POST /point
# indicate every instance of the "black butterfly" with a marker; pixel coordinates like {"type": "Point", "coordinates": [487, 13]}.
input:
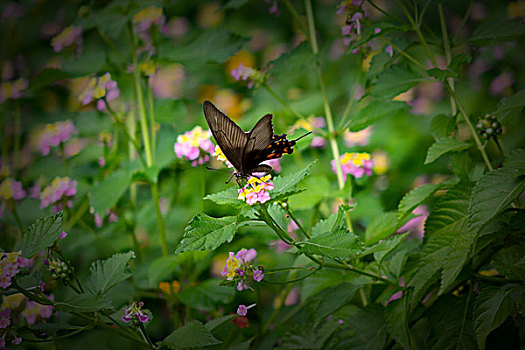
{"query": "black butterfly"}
{"type": "Point", "coordinates": [247, 150]}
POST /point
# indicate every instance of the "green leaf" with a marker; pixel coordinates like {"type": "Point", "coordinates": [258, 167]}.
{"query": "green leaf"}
{"type": "Point", "coordinates": [191, 335]}
{"type": "Point", "coordinates": [330, 224]}
{"type": "Point", "coordinates": [382, 249]}
{"type": "Point", "coordinates": [92, 60]}
{"type": "Point", "coordinates": [492, 194]}
{"type": "Point", "coordinates": [105, 274]}
{"type": "Point", "coordinates": [47, 77]}
{"type": "Point", "coordinates": [229, 196]}
{"type": "Point", "coordinates": [516, 161]}
{"type": "Point", "coordinates": [288, 183]}
{"type": "Point", "coordinates": [297, 60]}
{"type": "Point", "coordinates": [492, 31]}
{"type": "Point", "coordinates": [108, 21]}
{"type": "Point", "coordinates": [162, 268]}
{"type": "Point", "coordinates": [442, 126]}
{"type": "Point", "coordinates": [340, 244]}
{"type": "Point", "coordinates": [106, 193]}
{"type": "Point", "coordinates": [213, 45]}
{"type": "Point", "coordinates": [510, 262]}
{"type": "Point", "coordinates": [315, 337]}
{"type": "Point", "coordinates": [205, 232]}
{"type": "Point", "coordinates": [375, 111]}
{"type": "Point", "coordinates": [444, 145]}
{"type": "Point", "coordinates": [318, 188]}
{"type": "Point", "coordinates": [491, 308]}
{"type": "Point", "coordinates": [381, 227]}
{"type": "Point", "coordinates": [458, 61]}
{"type": "Point", "coordinates": [40, 235]}
{"type": "Point", "coordinates": [206, 295]}
{"type": "Point", "coordinates": [514, 103]}
{"type": "Point", "coordinates": [329, 300]}
{"type": "Point", "coordinates": [456, 258]}
{"type": "Point", "coordinates": [414, 198]}
{"type": "Point", "coordinates": [396, 320]}
{"type": "Point", "coordinates": [366, 329]}
{"type": "Point", "coordinates": [216, 323]}
{"type": "Point", "coordinates": [442, 74]}
{"type": "Point", "coordinates": [450, 212]}
{"type": "Point", "coordinates": [393, 81]}
{"type": "Point", "coordinates": [84, 303]}
{"type": "Point", "coordinates": [451, 324]}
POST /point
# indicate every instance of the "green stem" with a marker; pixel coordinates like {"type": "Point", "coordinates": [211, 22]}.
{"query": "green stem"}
{"type": "Point", "coordinates": [313, 218]}
{"type": "Point", "coordinates": [140, 101]}
{"type": "Point", "coordinates": [17, 219]}
{"type": "Point", "coordinates": [292, 216]}
{"type": "Point", "coordinates": [77, 215]}
{"type": "Point", "coordinates": [405, 54]}
{"type": "Point", "coordinates": [160, 222]}
{"type": "Point", "coordinates": [296, 17]}
{"type": "Point", "coordinates": [283, 235]}
{"type": "Point", "coordinates": [385, 13]}
{"type": "Point", "coordinates": [358, 271]}
{"type": "Point", "coordinates": [332, 133]}
{"type": "Point", "coordinates": [292, 280]}
{"type": "Point", "coordinates": [291, 268]}
{"type": "Point", "coordinates": [63, 153]}
{"type": "Point", "coordinates": [470, 126]}
{"type": "Point", "coordinates": [17, 136]}
{"type": "Point", "coordinates": [498, 144]}
{"type": "Point", "coordinates": [151, 108]}
{"type": "Point", "coordinates": [446, 47]}
{"type": "Point", "coordinates": [351, 99]}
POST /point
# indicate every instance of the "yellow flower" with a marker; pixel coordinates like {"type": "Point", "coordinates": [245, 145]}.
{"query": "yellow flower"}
{"type": "Point", "coordinates": [381, 162]}
{"type": "Point", "coordinates": [6, 191]}
{"type": "Point", "coordinates": [149, 14]}
{"type": "Point", "coordinates": [516, 9]}
{"type": "Point", "coordinates": [169, 288]}
{"type": "Point", "coordinates": [12, 257]}
{"type": "Point", "coordinates": [219, 154]}
{"type": "Point", "coordinates": [12, 301]}
{"type": "Point", "coordinates": [356, 159]}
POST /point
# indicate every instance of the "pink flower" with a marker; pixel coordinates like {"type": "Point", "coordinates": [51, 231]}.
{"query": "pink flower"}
{"type": "Point", "coordinates": [62, 235]}
{"type": "Point", "coordinates": [256, 190]}
{"type": "Point", "coordinates": [355, 164]}
{"type": "Point", "coordinates": [58, 193]}
{"type": "Point", "coordinates": [361, 137]}
{"type": "Point", "coordinates": [194, 145]}
{"type": "Point", "coordinates": [501, 82]}
{"type": "Point", "coordinates": [258, 275]}
{"type": "Point", "coordinates": [12, 10]}
{"type": "Point", "coordinates": [5, 318]}
{"type": "Point", "coordinates": [13, 89]}
{"type": "Point", "coordinates": [69, 36]}
{"type": "Point", "coordinates": [54, 134]}
{"type": "Point", "coordinates": [416, 226]}
{"type": "Point", "coordinates": [135, 312]}
{"type": "Point", "coordinates": [241, 286]}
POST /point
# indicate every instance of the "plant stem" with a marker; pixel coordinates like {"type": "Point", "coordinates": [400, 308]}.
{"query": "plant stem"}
{"type": "Point", "coordinates": [332, 133]}
{"type": "Point", "coordinates": [151, 108]}
{"type": "Point", "coordinates": [292, 216]}
{"type": "Point", "coordinates": [446, 47]}
{"type": "Point", "coordinates": [405, 54]}
{"type": "Point", "coordinates": [283, 235]}
{"type": "Point", "coordinates": [160, 222]}
{"type": "Point", "coordinates": [385, 13]}
{"type": "Point", "coordinates": [77, 215]}
{"type": "Point", "coordinates": [17, 134]}
{"type": "Point", "coordinates": [296, 17]}
{"type": "Point", "coordinates": [358, 271]}
{"type": "Point", "coordinates": [351, 99]}
{"type": "Point", "coordinates": [498, 144]}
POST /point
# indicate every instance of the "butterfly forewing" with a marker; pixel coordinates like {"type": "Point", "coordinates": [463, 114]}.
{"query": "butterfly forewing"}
{"type": "Point", "coordinates": [228, 135]}
{"type": "Point", "coordinates": [259, 139]}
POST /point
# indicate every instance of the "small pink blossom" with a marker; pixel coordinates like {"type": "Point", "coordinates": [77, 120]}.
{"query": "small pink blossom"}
{"type": "Point", "coordinates": [69, 36]}
{"type": "Point", "coordinates": [355, 164]}
{"type": "Point", "coordinates": [195, 145]}
{"type": "Point", "coordinates": [242, 310]}
{"type": "Point", "coordinates": [135, 312]}
{"type": "Point", "coordinates": [54, 134]}
{"type": "Point", "coordinates": [258, 275]}
{"type": "Point", "coordinates": [58, 193]}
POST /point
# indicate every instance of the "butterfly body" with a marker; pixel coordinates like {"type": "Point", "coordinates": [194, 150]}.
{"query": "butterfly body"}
{"type": "Point", "coordinates": [247, 150]}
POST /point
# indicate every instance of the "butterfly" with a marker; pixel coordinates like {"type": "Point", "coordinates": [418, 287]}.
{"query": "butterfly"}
{"type": "Point", "coordinates": [247, 150]}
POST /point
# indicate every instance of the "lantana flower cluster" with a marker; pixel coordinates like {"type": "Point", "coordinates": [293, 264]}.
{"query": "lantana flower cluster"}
{"type": "Point", "coordinates": [10, 190]}
{"type": "Point", "coordinates": [256, 190]}
{"type": "Point", "coordinates": [244, 73]}
{"type": "Point", "coordinates": [10, 266]}
{"type": "Point", "coordinates": [239, 268]}
{"type": "Point", "coordinates": [98, 88]}
{"type": "Point", "coordinates": [143, 21]}
{"type": "Point", "coordinates": [135, 314]}
{"type": "Point", "coordinates": [351, 31]}
{"type": "Point", "coordinates": [99, 220]}
{"type": "Point", "coordinates": [55, 134]}
{"type": "Point", "coordinates": [355, 164]}
{"type": "Point", "coordinates": [61, 191]}
{"type": "Point", "coordinates": [222, 157]}
{"type": "Point", "coordinates": [71, 35]}
{"type": "Point", "coordinates": [358, 138]}
{"type": "Point", "coordinates": [13, 89]}
{"type": "Point", "coordinates": [195, 145]}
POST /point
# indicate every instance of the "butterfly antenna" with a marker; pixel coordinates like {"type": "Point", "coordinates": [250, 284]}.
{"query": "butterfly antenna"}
{"type": "Point", "coordinates": [308, 133]}
{"type": "Point", "coordinates": [222, 170]}
{"type": "Point", "coordinates": [227, 182]}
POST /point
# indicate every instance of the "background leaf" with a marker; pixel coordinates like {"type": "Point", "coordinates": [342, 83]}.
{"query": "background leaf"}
{"type": "Point", "coordinates": [40, 235]}
{"type": "Point", "coordinates": [339, 244]}
{"type": "Point", "coordinates": [444, 145]}
{"type": "Point", "coordinates": [205, 232]}
{"type": "Point", "coordinates": [106, 194]}
{"type": "Point", "coordinates": [380, 227]}
{"type": "Point", "coordinates": [105, 274]}
{"type": "Point", "coordinates": [193, 334]}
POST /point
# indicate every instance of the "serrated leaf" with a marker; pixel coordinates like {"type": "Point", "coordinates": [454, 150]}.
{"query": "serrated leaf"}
{"type": "Point", "coordinates": [397, 324]}
{"type": "Point", "coordinates": [213, 45]}
{"type": "Point", "coordinates": [491, 308]}
{"type": "Point", "coordinates": [340, 244]}
{"type": "Point", "coordinates": [516, 161]}
{"type": "Point", "coordinates": [375, 111]}
{"type": "Point", "coordinates": [366, 329]}
{"type": "Point", "coordinates": [205, 232]}
{"type": "Point", "coordinates": [40, 235]}
{"type": "Point", "coordinates": [444, 145]}
{"type": "Point", "coordinates": [510, 262]}
{"type": "Point", "coordinates": [442, 74]}
{"type": "Point", "coordinates": [311, 338]}
{"type": "Point", "coordinates": [193, 334]}
{"type": "Point", "coordinates": [380, 227]}
{"type": "Point", "coordinates": [450, 212]}
{"type": "Point", "coordinates": [330, 223]}
{"type": "Point", "coordinates": [510, 104]}
{"type": "Point", "coordinates": [229, 196]}
{"type": "Point", "coordinates": [47, 77]}
{"type": "Point", "coordinates": [105, 274]}
{"type": "Point", "coordinates": [456, 258]}
{"type": "Point", "coordinates": [84, 303]}
{"type": "Point", "coordinates": [393, 81]}
{"type": "Point", "coordinates": [384, 247]}
{"type": "Point", "coordinates": [493, 193]}
{"type": "Point", "coordinates": [288, 63]}
{"type": "Point", "coordinates": [106, 193]}
{"type": "Point", "coordinates": [206, 295]}
{"type": "Point", "coordinates": [414, 198]}
{"type": "Point", "coordinates": [288, 183]}
{"type": "Point", "coordinates": [442, 126]}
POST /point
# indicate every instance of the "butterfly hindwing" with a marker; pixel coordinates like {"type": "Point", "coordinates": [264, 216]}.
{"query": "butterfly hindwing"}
{"type": "Point", "coordinates": [259, 139]}
{"type": "Point", "coordinates": [228, 135]}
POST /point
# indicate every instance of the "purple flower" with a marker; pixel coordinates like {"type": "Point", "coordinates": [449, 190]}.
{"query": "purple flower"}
{"type": "Point", "coordinates": [62, 235]}
{"type": "Point", "coordinates": [195, 146]}
{"type": "Point", "coordinates": [355, 164]}
{"type": "Point", "coordinates": [258, 275]}
{"type": "Point", "coordinates": [69, 36]}
{"type": "Point", "coordinates": [5, 318]}
{"type": "Point", "coordinates": [134, 312]}
{"type": "Point", "coordinates": [241, 286]}
{"type": "Point", "coordinates": [54, 134]}
{"type": "Point", "coordinates": [500, 83]}
{"type": "Point", "coordinates": [58, 193]}
{"type": "Point", "coordinates": [242, 310]}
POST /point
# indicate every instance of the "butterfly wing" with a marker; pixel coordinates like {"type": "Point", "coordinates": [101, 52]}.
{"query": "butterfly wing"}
{"type": "Point", "coordinates": [259, 139]}
{"type": "Point", "coordinates": [228, 135]}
